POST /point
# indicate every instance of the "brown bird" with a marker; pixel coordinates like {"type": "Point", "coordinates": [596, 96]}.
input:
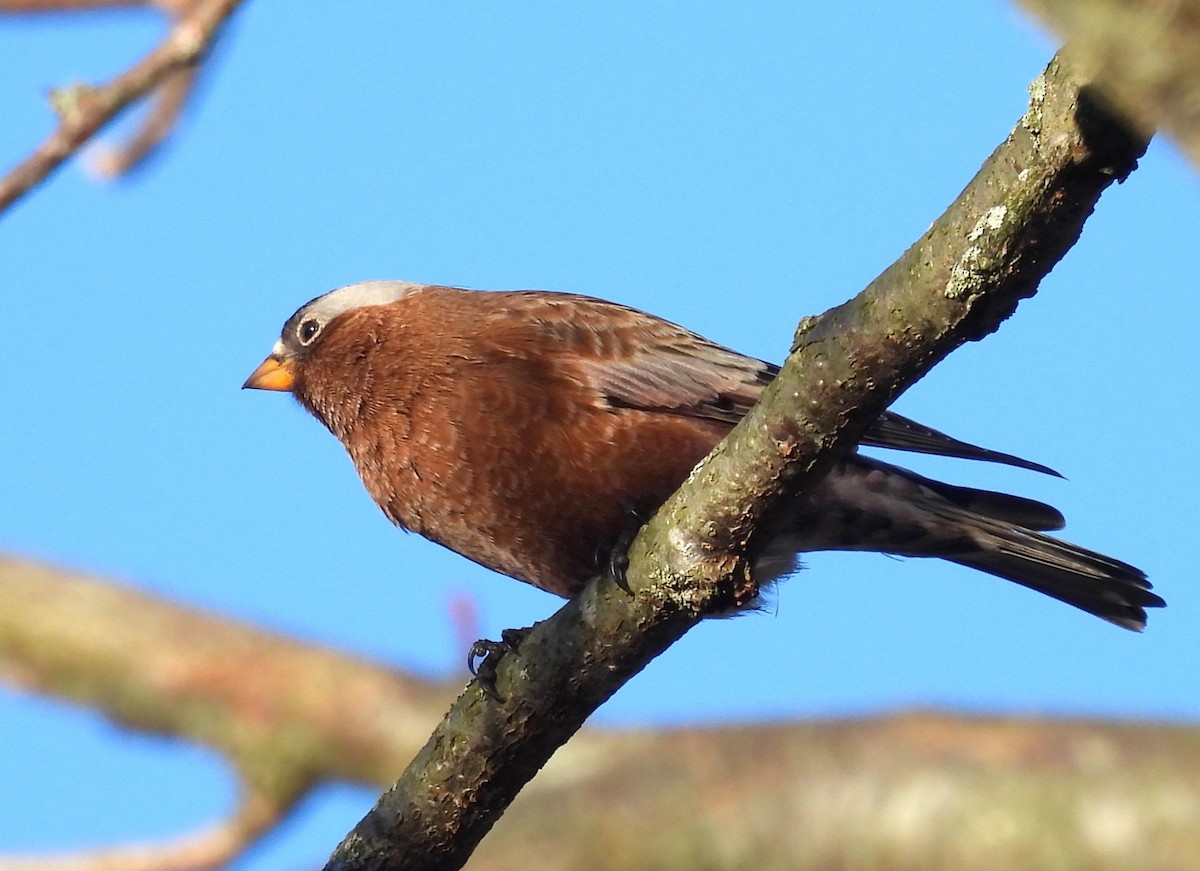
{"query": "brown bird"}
{"type": "Point", "coordinates": [523, 429]}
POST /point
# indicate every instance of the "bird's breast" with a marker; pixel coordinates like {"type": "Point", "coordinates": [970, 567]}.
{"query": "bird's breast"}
{"type": "Point", "coordinates": [534, 485]}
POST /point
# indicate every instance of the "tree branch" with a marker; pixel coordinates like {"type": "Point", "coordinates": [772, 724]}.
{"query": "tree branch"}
{"type": "Point", "coordinates": [286, 715]}
{"type": "Point", "coordinates": [158, 667]}
{"type": "Point", "coordinates": [83, 110]}
{"type": "Point", "coordinates": [800, 795]}
{"type": "Point", "coordinates": [1019, 215]}
{"type": "Point", "coordinates": [1146, 54]}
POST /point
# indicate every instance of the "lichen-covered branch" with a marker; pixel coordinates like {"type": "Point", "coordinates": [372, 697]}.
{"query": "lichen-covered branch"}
{"type": "Point", "coordinates": [987, 252]}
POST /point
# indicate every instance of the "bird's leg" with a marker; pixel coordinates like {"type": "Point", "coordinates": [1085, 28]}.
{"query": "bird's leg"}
{"type": "Point", "coordinates": [491, 652]}
{"type": "Point", "coordinates": [618, 553]}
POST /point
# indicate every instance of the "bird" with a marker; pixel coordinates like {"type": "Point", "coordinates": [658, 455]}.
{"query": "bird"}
{"type": "Point", "coordinates": [523, 430]}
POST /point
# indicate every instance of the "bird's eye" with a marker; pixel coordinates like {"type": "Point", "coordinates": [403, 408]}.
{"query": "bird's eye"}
{"type": "Point", "coordinates": [308, 330]}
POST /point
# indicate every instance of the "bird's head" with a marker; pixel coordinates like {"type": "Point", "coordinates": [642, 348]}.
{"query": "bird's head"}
{"type": "Point", "coordinates": [305, 339]}
{"type": "Point", "coordinates": [324, 354]}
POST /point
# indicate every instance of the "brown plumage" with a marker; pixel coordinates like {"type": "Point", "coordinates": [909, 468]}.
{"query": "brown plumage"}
{"type": "Point", "coordinates": [524, 429]}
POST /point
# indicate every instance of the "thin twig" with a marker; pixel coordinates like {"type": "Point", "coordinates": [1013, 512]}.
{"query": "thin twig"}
{"type": "Point", "coordinates": [170, 98]}
{"type": "Point", "coordinates": [83, 110]}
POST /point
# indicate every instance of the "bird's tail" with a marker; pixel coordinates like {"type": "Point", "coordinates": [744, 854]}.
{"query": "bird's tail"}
{"type": "Point", "coordinates": [1100, 585]}
{"type": "Point", "coordinates": [864, 504]}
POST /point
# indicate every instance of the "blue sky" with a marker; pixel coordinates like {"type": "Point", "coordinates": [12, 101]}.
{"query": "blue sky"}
{"type": "Point", "coordinates": [731, 168]}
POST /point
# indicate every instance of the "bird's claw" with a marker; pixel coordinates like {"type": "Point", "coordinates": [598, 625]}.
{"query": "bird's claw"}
{"type": "Point", "coordinates": [618, 565]}
{"type": "Point", "coordinates": [618, 555]}
{"type": "Point", "coordinates": [484, 657]}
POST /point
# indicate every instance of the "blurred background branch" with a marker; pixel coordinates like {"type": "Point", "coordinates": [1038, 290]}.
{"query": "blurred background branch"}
{"type": "Point", "coordinates": [1146, 54]}
{"type": "Point", "coordinates": [912, 789]}
{"type": "Point", "coordinates": [166, 76]}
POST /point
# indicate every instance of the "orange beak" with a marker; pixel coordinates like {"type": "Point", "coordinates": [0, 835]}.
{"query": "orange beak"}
{"type": "Point", "coordinates": [273, 374]}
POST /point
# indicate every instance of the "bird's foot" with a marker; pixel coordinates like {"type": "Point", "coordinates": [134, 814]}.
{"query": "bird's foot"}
{"type": "Point", "coordinates": [618, 554]}
{"type": "Point", "coordinates": [484, 658]}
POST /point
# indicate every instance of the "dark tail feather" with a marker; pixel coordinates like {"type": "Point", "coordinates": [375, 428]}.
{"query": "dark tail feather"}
{"type": "Point", "coordinates": [899, 433]}
{"type": "Point", "coordinates": [1110, 589]}
{"type": "Point", "coordinates": [1017, 510]}
{"type": "Point", "coordinates": [864, 504]}
{"type": "Point", "coordinates": [1007, 530]}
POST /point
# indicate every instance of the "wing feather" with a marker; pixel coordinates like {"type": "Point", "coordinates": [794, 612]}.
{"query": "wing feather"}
{"type": "Point", "coordinates": [631, 359]}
